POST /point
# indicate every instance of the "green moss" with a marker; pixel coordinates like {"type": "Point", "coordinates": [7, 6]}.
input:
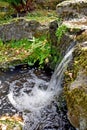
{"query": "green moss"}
{"type": "Point", "coordinates": [76, 96]}
{"type": "Point", "coordinates": [79, 63]}
{"type": "Point", "coordinates": [42, 16]}
{"type": "Point", "coordinates": [80, 60]}
{"type": "Point", "coordinates": [77, 102]}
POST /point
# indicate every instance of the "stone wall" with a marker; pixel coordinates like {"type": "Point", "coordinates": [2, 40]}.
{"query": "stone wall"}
{"type": "Point", "coordinates": [21, 28]}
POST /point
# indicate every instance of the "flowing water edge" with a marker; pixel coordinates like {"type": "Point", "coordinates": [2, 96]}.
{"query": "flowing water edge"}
{"type": "Point", "coordinates": [31, 93]}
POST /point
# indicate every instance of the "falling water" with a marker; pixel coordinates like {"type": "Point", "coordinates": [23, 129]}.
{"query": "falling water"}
{"type": "Point", "coordinates": [56, 80]}
{"type": "Point", "coordinates": [38, 98]}
{"type": "Point", "coordinates": [34, 95]}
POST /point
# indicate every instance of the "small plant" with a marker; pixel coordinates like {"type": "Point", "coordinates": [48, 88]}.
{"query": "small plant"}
{"type": "Point", "coordinates": [30, 51]}
{"type": "Point", "coordinates": [1, 43]}
{"type": "Point", "coordinates": [61, 30]}
{"type": "Point", "coordinates": [21, 5]}
{"type": "Point", "coordinates": [26, 50]}
{"type": "Point", "coordinates": [55, 57]}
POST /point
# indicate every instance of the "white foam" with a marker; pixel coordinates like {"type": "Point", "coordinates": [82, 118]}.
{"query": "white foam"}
{"type": "Point", "coordinates": [36, 100]}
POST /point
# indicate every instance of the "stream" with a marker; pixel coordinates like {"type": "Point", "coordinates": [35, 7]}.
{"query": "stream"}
{"type": "Point", "coordinates": [30, 93]}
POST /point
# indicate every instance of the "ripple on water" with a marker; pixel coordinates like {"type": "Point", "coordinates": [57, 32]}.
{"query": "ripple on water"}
{"type": "Point", "coordinates": [26, 92]}
{"type": "Point", "coordinates": [23, 88]}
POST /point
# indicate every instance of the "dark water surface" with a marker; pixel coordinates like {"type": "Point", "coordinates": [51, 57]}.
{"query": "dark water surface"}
{"type": "Point", "coordinates": [41, 112]}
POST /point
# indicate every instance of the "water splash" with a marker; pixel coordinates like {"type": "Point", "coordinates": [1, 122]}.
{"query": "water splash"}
{"type": "Point", "coordinates": [39, 96]}
{"type": "Point", "coordinates": [34, 101]}
{"type": "Point", "coordinates": [31, 95]}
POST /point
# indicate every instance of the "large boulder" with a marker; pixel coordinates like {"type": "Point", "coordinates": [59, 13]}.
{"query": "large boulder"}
{"type": "Point", "coordinates": [77, 24]}
{"type": "Point", "coordinates": [76, 88]}
{"type": "Point", "coordinates": [72, 9]}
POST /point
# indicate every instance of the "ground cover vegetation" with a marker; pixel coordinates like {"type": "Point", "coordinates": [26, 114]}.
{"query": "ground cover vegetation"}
{"type": "Point", "coordinates": [21, 5]}
{"type": "Point", "coordinates": [28, 50]}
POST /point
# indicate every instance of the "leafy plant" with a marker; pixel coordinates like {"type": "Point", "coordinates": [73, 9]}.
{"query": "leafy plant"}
{"type": "Point", "coordinates": [61, 30]}
{"type": "Point", "coordinates": [26, 50]}
{"type": "Point", "coordinates": [55, 57]}
{"type": "Point", "coordinates": [40, 51]}
{"type": "Point", "coordinates": [21, 5]}
{"type": "Point", "coordinates": [31, 51]}
{"type": "Point", "coordinates": [1, 43]}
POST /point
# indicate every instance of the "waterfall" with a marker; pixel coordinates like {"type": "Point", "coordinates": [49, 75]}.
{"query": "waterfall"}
{"type": "Point", "coordinates": [38, 98]}
{"type": "Point", "coordinates": [56, 80]}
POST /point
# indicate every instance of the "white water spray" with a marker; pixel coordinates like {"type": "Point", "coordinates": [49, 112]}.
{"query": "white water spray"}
{"type": "Point", "coordinates": [55, 83]}
{"type": "Point", "coordinates": [39, 98]}
{"type": "Point", "coordinates": [36, 99]}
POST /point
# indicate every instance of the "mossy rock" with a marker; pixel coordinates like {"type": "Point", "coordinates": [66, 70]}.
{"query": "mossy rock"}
{"type": "Point", "coordinates": [77, 107]}
{"type": "Point", "coordinates": [82, 37]}
{"type": "Point", "coordinates": [76, 88]}
{"type": "Point", "coordinates": [72, 9]}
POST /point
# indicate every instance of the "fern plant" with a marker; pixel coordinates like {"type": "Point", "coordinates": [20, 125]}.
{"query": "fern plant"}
{"type": "Point", "coordinates": [21, 5]}
{"type": "Point", "coordinates": [61, 30]}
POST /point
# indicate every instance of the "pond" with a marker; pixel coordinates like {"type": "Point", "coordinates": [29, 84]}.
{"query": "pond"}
{"type": "Point", "coordinates": [24, 91]}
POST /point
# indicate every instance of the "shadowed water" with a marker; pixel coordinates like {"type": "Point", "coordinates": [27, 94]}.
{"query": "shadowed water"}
{"type": "Point", "coordinates": [30, 92]}
{"type": "Point", "coordinates": [24, 89]}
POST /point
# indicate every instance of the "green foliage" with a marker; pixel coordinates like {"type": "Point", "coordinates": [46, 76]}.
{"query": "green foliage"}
{"type": "Point", "coordinates": [1, 43]}
{"type": "Point", "coordinates": [38, 49]}
{"type": "Point", "coordinates": [61, 30]}
{"type": "Point", "coordinates": [21, 5]}
{"type": "Point", "coordinates": [28, 51]}
{"type": "Point", "coordinates": [12, 1]}
{"type": "Point", "coordinates": [55, 57]}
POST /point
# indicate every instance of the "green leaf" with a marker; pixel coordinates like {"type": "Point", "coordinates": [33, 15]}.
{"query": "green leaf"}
{"type": "Point", "coordinates": [1, 43]}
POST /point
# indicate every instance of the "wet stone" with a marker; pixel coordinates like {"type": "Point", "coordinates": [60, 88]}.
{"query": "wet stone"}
{"type": "Point", "coordinates": [43, 87]}
{"type": "Point", "coordinates": [4, 88]}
